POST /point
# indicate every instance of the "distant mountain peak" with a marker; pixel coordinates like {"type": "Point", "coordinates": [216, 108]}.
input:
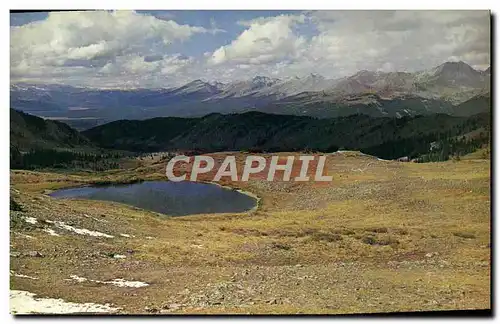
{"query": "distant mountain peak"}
{"type": "Point", "coordinates": [315, 76]}
{"type": "Point", "coordinates": [198, 86]}
{"type": "Point", "coordinates": [197, 82]}
{"type": "Point", "coordinates": [456, 74]}
{"type": "Point", "coordinates": [452, 82]}
{"type": "Point", "coordinates": [455, 66]}
{"type": "Point", "coordinates": [263, 79]}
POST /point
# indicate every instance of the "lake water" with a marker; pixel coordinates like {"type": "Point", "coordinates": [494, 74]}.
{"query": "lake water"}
{"type": "Point", "coordinates": [166, 197]}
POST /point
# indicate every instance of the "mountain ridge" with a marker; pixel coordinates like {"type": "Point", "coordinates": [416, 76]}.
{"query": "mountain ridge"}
{"type": "Point", "coordinates": [258, 131]}
{"type": "Point", "coordinates": [449, 83]}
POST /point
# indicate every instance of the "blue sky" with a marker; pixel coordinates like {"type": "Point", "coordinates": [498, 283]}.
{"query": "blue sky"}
{"type": "Point", "coordinates": [198, 44]}
{"type": "Point", "coordinates": [165, 48]}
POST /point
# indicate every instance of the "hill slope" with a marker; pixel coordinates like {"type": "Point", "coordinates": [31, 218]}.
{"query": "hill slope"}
{"type": "Point", "coordinates": [259, 131]}
{"type": "Point", "coordinates": [478, 104]}
{"type": "Point", "coordinates": [31, 132]}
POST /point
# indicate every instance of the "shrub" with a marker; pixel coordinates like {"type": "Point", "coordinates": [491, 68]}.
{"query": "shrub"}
{"type": "Point", "coordinates": [15, 206]}
{"type": "Point", "coordinates": [371, 240]}
{"type": "Point", "coordinates": [280, 246]}
{"type": "Point", "coordinates": [328, 237]}
{"type": "Point", "coordinates": [377, 229]}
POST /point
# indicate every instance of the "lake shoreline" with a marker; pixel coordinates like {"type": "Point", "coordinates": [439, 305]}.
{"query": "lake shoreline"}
{"type": "Point", "coordinates": [184, 200]}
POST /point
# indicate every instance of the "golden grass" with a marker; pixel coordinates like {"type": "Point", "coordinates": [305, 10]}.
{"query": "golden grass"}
{"type": "Point", "coordinates": [381, 218]}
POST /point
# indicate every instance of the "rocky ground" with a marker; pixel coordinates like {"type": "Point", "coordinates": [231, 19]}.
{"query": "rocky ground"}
{"type": "Point", "coordinates": [383, 236]}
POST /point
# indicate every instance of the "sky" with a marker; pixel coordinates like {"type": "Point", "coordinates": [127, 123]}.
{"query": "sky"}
{"type": "Point", "coordinates": [157, 49]}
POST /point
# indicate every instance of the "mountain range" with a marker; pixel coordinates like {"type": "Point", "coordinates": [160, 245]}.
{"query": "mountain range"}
{"type": "Point", "coordinates": [442, 89]}
{"type": "Point", "coordinates": [37, 141]}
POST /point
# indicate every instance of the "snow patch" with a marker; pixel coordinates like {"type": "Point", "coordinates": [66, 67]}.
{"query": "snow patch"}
{"type": "Point", "coordinates": [51, 231]}
{"type": "Point", "coordinates": [12, 273]}
{"type": "Point", "coordinates": [125, 283]}
{"type": "Point", "coordinates": [127, 235]}
{"type": "Point", "coordinates": [119, 256]}
{"type": "Point", "coordinates": [81, 231]}
{"type": "Point", "coordinates": [24, 302]}
{"type": "Point", "coordinates": [116, 282]}
{"type": "Point", "coordinates": [31, 220]}
{"type": "Point", "coordinates": [76, 278]}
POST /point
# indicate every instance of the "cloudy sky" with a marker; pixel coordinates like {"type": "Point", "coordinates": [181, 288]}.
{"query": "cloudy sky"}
{"type": "Point", "coordinates": [167, 48]}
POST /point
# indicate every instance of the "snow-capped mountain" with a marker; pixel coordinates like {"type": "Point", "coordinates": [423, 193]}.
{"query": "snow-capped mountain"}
{"type": "Point", "coordinates": [452, 74]}
{"type": "Point", "coordinates": [450, 83]}
{"type": "Point", "coordinates": [310, 83]}
{"type": "Point", "coordinates": [198, 86]}
{"type": "Point", "coordinates": [256, 86]}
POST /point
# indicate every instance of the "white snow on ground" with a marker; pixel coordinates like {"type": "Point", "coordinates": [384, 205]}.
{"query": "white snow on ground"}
{"type": "Point", "coordinates": [24, 302]}
{"type": "Point", "coordinates": [115, 282]}
{"type": "Point", "coordinates": [126, 235]}
{"type": "Point", "coordinates": [31, 220]}
{"type": "Point", "coordinates": [12, 273]}
{"type": "Point", "coordinates": [119, 256]}
{"type": "Point", "coordinates": [76, 278]}
{"type": "Point", "coordinates": [125, 283]}
{"type": "Point", "coordinates": [81, 231]}
{"type": "Point", "coordinates": [51, 231]}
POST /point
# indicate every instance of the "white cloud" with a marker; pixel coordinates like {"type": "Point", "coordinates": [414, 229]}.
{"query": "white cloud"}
{"type": "Point", "coordinates": [93, 39]}
{"type": "Point", "coordinates": [115, 48]}
{"type": "Point", "coordinates": [348, 41]}
{"type": "Point", "coordinates": [266, 40]}
{"type": "Point", "coordinates": [407, 40]}
{"type": "Point", "coordinates": [138, 65]}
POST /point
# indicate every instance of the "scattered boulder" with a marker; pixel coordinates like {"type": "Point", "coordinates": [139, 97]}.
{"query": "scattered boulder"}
{"type": "Point", "coordinates": [151, 309]}
{"type": "Point", "coordinates": [431, 254]}
{"type": "Point", "coordinates": [34, 254]}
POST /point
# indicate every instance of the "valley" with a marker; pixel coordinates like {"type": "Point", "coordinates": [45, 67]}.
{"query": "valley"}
{"type": "Point", "coordinates": [383, 236]}
{"type": "Point", "coordinates": [443, 89]}
{"type": "Point", "coordinates": [251, 162]}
